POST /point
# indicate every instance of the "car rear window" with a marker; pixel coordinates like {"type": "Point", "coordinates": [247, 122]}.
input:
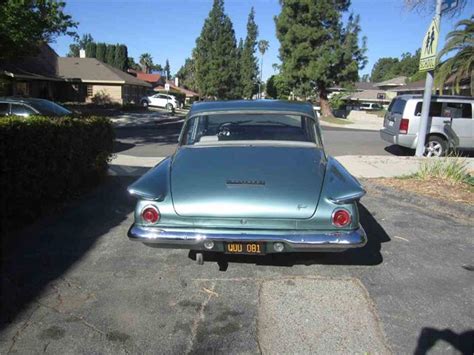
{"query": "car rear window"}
{"type": "Point", "coordinates": [46, 107]}
{"type": "Point", "coordinates": [436, 109]}
{"type": "Point", "coordinates": [210, 129]}
{"type": "Point", "coordinates": [21, 110]}
{"type": "Point", "coordinates": [397, 106]}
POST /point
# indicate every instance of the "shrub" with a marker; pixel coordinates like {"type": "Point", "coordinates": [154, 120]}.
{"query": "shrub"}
{"type": "Point", "coordinates": [101, 98]}
{"type": "Point", "coordinates": [452, 169]}
{"type": "Point", "coordinates": [45, 161]}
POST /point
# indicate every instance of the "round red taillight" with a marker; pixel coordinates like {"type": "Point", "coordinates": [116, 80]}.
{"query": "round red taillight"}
{"type": "Point", "coordinates": [341, 218]}
{"type": "Point", "coordinates": [150, 214]}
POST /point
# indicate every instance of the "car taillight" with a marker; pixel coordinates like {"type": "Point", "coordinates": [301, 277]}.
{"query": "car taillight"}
{"type": "Point", "coordinates": [404, 125]}
{"type": "Point", "coordinates": [150, 214]}
{"type": "Point", "coordinates": [341, 218]}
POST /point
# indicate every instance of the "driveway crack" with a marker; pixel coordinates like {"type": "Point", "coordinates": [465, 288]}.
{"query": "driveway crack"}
{"type": "Point", "coordinates": [200, 317]}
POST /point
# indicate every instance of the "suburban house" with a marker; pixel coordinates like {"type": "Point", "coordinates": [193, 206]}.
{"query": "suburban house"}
{"type": "Point", "coordinates": [89, 78]}
{"type": "Point", "coordinates": [418, 87]}
{"type": "Point", "coordinates": [364, 93]}
{"type": "Point", "coordinates": [34, 76]}
{"type": "Point", "coordinates": [48, 76]}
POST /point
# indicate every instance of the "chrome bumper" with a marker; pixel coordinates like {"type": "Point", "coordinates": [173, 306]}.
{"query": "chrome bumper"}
{"type": "Point", "coordinates": [293, 242]}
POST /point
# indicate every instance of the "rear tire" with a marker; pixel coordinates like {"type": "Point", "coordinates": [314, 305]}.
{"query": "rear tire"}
{"type": "Point", "coordinates": [169, 107]}
{"type": "Point", "coordinates": [435, 146]}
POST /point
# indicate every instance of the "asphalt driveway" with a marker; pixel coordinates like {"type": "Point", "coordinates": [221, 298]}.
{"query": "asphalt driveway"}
{"type": "Point", "coordinates": [73, 283]}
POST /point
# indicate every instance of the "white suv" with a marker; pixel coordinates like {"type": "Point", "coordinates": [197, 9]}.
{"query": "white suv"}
{"type": "Point", "coordinates": [160, 100]}
{"type": "Point", "coordinates": [450, 123]}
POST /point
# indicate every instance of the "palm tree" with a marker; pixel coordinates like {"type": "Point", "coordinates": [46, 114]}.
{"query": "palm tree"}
{"type": "Point", "coordinates": [146, 61]}
{"type": "Point", "coordinates": [263, 45]}
{"type": "Point", "coordinates": [461, 65]}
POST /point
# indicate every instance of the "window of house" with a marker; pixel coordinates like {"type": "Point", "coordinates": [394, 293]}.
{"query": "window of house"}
{"type": "Point", "coordinates": [22, 89]}
{"type": "Point", "coordinates": [3, 109]}
{"type": "Point", "coordinates": [90, 91]}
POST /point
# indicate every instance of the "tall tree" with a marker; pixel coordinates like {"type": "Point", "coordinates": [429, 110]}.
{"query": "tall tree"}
{"type": "Point", "coordinates": [215, 55]}
{"type": "Point", "coordinates": [91, 49]}
{"type": "Point", "coordinates": [388, 67]}
{"type": "Point", "coordinates": [79, 43]}
{"type": "Point", "coordinates": [461, 65]}
{"type": "Point", "coordinates": [121, 57]}
{"type": "Point", "coordinates": [316, 49]}
{"type": "Point", "coordinates": [110, 54]}
{"type": "Point", "coordinates": [133, 65]}
{"type": "Point", "coordinates": [167, 70]}
{"type": "Point", "coordinates": [146, 61]}
{"type": "Point", "coordinates": [263, 46]}
{"type": "Point", "coordinates": [101, 51]}
{"type": "Point", "coordinates": [248, 61]}
{"type": "Point", "coordinates": [187, 75]}
{"type": "Point", "coordinates": [26, 24]}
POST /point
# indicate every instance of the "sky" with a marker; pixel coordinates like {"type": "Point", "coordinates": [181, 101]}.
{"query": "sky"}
{"type": "Point", "coordinates": [167, 29]}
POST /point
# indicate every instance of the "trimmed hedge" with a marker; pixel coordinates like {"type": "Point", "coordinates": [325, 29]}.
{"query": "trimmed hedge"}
{"type": "Point", "coordinates": [46, 161]}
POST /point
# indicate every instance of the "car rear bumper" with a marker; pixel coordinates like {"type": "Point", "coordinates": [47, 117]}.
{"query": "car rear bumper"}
{"type": "Point", "coordinates": [404, 140]}
{"type": "Point", "coordinates": [307, 241]}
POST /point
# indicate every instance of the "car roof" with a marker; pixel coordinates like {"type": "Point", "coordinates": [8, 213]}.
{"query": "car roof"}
{"type": "Point", "coordinates": [304, 108]}
{"type": "Point", "coordinates": [25, 100]}
{"type": "Point", "coordinates": [436, 97]}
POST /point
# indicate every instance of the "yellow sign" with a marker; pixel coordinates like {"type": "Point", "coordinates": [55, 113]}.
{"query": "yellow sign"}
{"type": "Point", "coordinates": [429, 47]}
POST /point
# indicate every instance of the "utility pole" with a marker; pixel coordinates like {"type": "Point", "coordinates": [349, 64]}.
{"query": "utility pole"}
{"type": "Point", "coordinates": [420, 146]}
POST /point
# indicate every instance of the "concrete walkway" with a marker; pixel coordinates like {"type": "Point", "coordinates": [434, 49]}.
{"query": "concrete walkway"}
{"type": "Point", "coordinates": [361, 166]}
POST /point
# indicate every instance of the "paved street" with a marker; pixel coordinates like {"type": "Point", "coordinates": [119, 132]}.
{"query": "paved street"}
{"type": "Point", "coordinates": [159, 139]}
{"type": "Point", "coordinates": [73, 282]}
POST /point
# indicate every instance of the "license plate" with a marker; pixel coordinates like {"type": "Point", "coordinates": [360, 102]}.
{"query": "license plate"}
{"type": "Point", "coordinates": [390, 123]}
{"type": "Point", "coordinates": [251, 248]}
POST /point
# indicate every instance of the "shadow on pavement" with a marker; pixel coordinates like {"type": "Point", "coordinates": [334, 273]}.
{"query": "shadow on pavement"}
{"type": "Point", "coordinates": [163, 132]}
{"type": "Point", "coordinates": [44, 251]}
{"type": "Point", "coordinates": [463, 342]}
{"type": "Point", "coordinates": [368, 255]}
{"type": "Point", "coordinates": [399, 151]}
{"type": "Point", "coordinates": [406, 152]}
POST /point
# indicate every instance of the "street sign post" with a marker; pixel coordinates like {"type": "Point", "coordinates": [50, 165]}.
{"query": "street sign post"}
{"type": "Point", "coordinates": [428, 64]}
{"type": "Point", "coordinates": [448, 5]}
{"type": "Point", "coordinates": [429, 47]}
{"type": "Point", "coordinates": [167, 87]}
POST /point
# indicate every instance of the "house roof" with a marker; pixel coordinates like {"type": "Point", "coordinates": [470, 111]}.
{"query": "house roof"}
{"type": "Point", "coordinates": [368, 95]}
{"type": "Point", "coordinates": [416, 85]}
{"type": "Point", "coordinates": [360, 85]}
{"type": "Point", "coordinates": [150, 78]}
{"type": "Point", "coordinates": [188, 93]}
{"type": "Point", "coordinates": [399, 80]}
{"type": "Point", "coordinates": [40, 66]}
{"type": "Point", "coordinates": [92, 70]}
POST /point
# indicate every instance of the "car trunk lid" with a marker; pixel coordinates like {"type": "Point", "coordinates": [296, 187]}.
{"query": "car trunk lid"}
{"type": "Point", "coordinates": [247, 182]}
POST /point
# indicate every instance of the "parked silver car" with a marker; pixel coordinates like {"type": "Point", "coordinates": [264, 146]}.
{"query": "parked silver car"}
{"type": "Point", "coordinates": [450, 123]}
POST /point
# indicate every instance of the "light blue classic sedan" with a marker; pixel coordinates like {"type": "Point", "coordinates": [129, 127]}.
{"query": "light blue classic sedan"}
{"type": "Point", "coordinates": [249, 177]}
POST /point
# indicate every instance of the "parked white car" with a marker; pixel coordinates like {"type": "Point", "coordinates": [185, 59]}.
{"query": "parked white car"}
{"type": "Point", "coordinates": [370, 107]}
{"type": "Point", "coordinates": [450, 123]}
{"type": "Point", "coordinates": [160, 100]}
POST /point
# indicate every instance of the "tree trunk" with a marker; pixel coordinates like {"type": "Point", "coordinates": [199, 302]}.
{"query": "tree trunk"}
{"type": "Point", "coordinates": [324, 102]}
